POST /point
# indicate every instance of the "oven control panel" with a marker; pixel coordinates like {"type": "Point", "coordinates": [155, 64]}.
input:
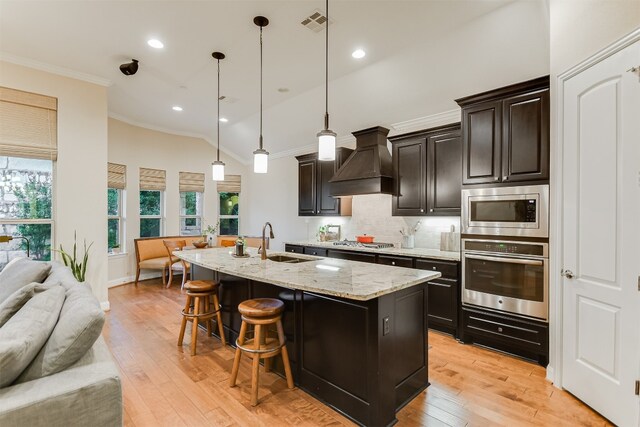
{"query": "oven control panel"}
{"type": "Point", "coordinates": [515, 248]}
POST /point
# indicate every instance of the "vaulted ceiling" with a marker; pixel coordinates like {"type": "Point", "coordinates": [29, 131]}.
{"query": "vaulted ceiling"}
{"type": "Point", "coordinates": [421, 55]}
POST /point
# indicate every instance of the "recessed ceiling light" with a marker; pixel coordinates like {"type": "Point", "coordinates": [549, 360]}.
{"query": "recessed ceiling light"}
{"type": "Point", "coordinates": [155, 43]}
{"type": "Point", "coordinates": [223, 120]}
{"type": "Point", "coordinates": [177, 108]}
{"type": "Point", "coordinates": [358, 53]}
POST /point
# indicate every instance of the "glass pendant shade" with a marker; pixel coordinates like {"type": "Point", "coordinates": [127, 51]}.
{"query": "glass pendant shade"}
{"type": "Point", "coordinates": [260, 161]}
{"type": "Point", "coordinates": [218, 170]}
{"type": "Point", "coordinates": [326, 145]}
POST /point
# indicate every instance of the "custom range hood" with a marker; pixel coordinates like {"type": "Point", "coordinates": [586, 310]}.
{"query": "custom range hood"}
{"type": "Point", "coordinates": [368, 169]}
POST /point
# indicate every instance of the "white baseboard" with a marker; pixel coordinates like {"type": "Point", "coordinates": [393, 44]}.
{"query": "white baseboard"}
{"type": "Point", "coordinates": [105, 305]}
{"type": "Point", "coordinates": [129, 279]}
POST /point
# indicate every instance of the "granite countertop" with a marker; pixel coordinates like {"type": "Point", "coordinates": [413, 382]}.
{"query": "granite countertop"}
{"type": "Point", "coordinates": [415, 252]}
{"type": "Point", "coordinates": [348, 279]}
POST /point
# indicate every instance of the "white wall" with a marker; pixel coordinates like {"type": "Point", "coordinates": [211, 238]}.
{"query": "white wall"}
{"type": "Point", "coordinates": [137, 147]}
{"type": "Point", "coordinates": [81, 170]}
{"type": "Point", "coordinates": [578, 29]}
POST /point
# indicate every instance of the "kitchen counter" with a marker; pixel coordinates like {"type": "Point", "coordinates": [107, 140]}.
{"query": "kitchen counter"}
{"type": "Point", "coordinates": [356, 332]}
{"type": "Point", "coordinates": [415, 252]}
{"type": "Point", "coordinates": [336, 277]}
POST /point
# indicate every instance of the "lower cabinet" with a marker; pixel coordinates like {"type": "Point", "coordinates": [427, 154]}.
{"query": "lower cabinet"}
{"type": "Point", "coordinates": [315, 251]}
{"type": "Point", "coordinates": [351, 256]}
{"type": "Point", "coordinates": [294, 249]}
{"type": "Point", "coordinates": [522, 337]}
{"type": "Point", "coordinates": [443, 296]}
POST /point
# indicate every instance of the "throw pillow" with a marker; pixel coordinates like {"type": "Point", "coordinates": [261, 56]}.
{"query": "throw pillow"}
{"type": "Point", "coordinates": [79, 326]}
{"type": "Point", "coordinates": [61, 274]}
{"type": "Point", "coordinates": [22, 337]}
{"type": "Point", "coordinates": [16, 300]}
{"type": "Point", "coordinates": [20, 272]}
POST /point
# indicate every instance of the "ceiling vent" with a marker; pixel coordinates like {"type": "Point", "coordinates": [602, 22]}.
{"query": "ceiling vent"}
{"type": "Point", "coordinates": [315, 22]}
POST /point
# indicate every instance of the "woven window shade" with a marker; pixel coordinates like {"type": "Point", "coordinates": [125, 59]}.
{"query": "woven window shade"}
{"type": "Point", "coordinates": [153, 179]}
{"type": "Point", "coordinates": [231, 184]}
{"type": "Point", "coordinates": [117, 176]}
{"type": "Point", "coordinates": [28, 125]}
{"type": "Point", "coordinates": [192, 181]}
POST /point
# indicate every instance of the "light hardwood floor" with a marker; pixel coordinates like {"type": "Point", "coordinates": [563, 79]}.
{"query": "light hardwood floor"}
{"type": "Point", "coordinates": [164, 386]}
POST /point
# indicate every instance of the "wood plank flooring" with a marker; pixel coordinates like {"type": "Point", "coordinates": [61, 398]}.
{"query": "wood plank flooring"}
{"type": "Point", "coordinates": [164, 386]}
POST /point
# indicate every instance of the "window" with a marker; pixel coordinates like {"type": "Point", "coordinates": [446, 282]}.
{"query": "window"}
{"type": "Point", "coordinates": [25, 207]}
{"type": "Point", "coordinates": [115, 221]}
{"type": "Point", "coordinates": [229, 214]}
{"type": "Point", "coordinates": [150, 213]}
{"type": "Point", "coordinates": [190, 213]}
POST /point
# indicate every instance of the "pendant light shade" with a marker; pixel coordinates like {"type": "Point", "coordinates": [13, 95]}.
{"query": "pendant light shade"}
{"type": "Point", "coordinates": [326, 137]}
{"type": "Point", "coordinates": [218, 166]}
{"type": "Point", "coordinates": [260, 156]}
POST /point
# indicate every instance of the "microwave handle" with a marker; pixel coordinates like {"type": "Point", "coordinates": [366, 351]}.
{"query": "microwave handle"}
{"type": "Point", "coordinates": [507, 260]}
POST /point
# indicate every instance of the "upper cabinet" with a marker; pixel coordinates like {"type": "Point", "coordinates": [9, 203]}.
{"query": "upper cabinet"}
{"type": "Point", "coordinates": [314, 197]}
{"type": "Point", "coordinates": [505, 134]}
{"type": "Point", "coordinates": [427, 172]}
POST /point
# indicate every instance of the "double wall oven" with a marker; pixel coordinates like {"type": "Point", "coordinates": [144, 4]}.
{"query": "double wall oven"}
{"type": "Point", "coordinates": [505, 252]}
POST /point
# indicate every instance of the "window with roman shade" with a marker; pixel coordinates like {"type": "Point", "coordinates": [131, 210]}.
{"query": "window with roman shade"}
{"type": "Point", "coordinates": [117, 176]}
{"type": "Point", "coordinates": [153, 179]}
{"type": "Point", "coordinates": [231, 184]}
{"type": "Point", "coordinates": [191, 181]}
{"type": "Point", "coordinates": [191, 197]}
{"type": "Point", "coordinates": [229, 198]}
{"type": "Point", "coordinates": [28, 125]}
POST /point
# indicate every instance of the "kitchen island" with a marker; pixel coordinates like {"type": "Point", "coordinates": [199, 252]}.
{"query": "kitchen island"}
{"type": "Point", "coordinates": [356, 332]}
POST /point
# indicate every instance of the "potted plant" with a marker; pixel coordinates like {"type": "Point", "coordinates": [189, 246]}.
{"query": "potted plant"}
{"type": "Point", "coordinates": [115, 249]}
{"type": "Point", "coordinates": [78, 268]}
{"type": "Point", "coordinates": [210, 234]}
{"type": "Point", "coordinates": [322, 233]}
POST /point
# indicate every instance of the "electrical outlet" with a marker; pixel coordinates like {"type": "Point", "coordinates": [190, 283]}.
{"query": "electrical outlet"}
{"type": "Point", "coordinates": [386, 326]}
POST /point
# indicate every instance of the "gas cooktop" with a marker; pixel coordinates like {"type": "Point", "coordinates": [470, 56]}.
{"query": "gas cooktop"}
{"type": "Point", "coordinates": [353, 243]}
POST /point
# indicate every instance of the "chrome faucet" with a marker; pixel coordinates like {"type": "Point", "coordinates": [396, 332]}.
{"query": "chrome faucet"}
{"type": "Point", "coordinates": [263, 254]}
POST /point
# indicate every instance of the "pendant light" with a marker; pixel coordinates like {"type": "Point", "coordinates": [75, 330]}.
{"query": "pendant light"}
{"type": "Point", "coordinates": [326, 137]}
{"type": "Point", "coordinates": [218, 166]}
{"type": "Point", "coordinates": [260, 156]}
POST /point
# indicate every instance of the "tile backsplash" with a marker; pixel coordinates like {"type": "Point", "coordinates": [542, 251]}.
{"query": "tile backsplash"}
{"type": "Point", "coordinates": [372, 216]}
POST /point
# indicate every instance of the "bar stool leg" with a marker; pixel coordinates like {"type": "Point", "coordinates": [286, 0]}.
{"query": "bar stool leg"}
{"type": "Point", "coordinates": [267, 360]}
{"type": "Point", "coordinates": [194, 328]}
{"type": "Point", "coordinates": [285, 354]}
{"type": "Point", "coordinates": [216, 307]}
{"type": "Point", "coordinates": [183, 326]}
{"type": "Point", "coordinates": [255, 373]}
{"type": "Point", "coordinates": [236, 359]}
{"type": "Point", "coordinates": [207, 308]}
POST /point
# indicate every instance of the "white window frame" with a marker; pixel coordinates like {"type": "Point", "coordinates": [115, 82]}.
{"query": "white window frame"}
{"type": "Point", "coordinates": [230, 216]}
{"type": "Point", "coordinates": [51, 221]}
{"type": "Point", "coordinates": [199, 205]}
{"type": "Point", "coordinates": [121, 221]}
{"type": "Point", "coordinates": [160, 217]}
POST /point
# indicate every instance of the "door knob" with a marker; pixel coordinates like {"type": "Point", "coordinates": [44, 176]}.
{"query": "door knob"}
{"type": "Point", "coordinates": [568, 274]}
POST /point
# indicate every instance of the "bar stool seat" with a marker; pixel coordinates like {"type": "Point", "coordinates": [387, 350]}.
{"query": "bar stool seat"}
{"type": "Point", "coordinates": [261, 313]}
{"type": "Point", "coordinates": [202, 305]}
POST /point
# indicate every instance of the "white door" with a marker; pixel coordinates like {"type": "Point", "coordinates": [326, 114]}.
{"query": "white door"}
{"type": "Point", "coordinates": [601, 236]}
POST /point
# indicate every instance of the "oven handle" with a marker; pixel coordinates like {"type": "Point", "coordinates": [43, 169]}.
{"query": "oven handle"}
{"type": "Point", "coordinates": [508, 260]}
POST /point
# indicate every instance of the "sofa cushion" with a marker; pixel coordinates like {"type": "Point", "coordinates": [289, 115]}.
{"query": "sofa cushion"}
{"type": "Point", "coordinates": [25, 333]}
{"type": "Point", "coordinates": [16, 300]}
{"type": "Point", "coordinates": [80, 324]}
{"type": "Point", "coordinates": [157, 263]}
{"type": "Point", "coordinates": [61, 274]}
{"type": "Point", "coordinates": [20, 272]}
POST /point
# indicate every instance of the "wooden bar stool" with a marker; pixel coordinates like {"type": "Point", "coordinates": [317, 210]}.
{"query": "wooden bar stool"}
{"type": "Point", "coordinates": [261, 313]}
{"type": "Point", "coordinates": [202, 304]}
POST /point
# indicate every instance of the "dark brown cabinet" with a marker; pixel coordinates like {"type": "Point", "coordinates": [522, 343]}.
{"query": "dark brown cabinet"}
{"type": "Point", "coordinates": [505, 134]}
{"type": "Point", "coordinates": [443, 295]}
{"type": "Point", "coordinates": [314, 196]}
{"type": "Point", "coordinates": [426, 171]}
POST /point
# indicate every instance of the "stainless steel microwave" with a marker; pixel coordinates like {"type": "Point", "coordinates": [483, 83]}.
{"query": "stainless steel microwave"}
{"type": "Point", "coordinates": [506, 211]}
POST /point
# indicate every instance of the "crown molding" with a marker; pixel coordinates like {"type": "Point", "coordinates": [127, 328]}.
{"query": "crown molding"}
{"type": "Point", "coordinates": [426, 122]}
{"type": "Point", "coordinates": [127, 120]}
{"type": "Point", "coordinates": [54, 69]}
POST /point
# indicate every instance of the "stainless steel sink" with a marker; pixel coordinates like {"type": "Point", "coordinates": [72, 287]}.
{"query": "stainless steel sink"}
{"type": "Point", "coordinates": [287, 259]}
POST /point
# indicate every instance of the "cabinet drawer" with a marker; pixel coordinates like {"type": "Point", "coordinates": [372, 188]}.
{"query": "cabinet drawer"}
{"type": "Point", "coordinates": [395, 260]}
{"type": "Point", "coordinates": [294, 248]}
{"type": "Point", "coordinates": [351, 256]}
{"type": "Point", "coordinates": [448, 269]}
{"type": "Point", "coordinates": [315, 251]}
{"type": "Point", "coordinates": [519, 332]}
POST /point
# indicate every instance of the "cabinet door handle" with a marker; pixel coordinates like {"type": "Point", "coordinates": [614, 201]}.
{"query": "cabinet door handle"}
{"type": "Point", "coordinates": [421, 210]}
{"type": "Point", "coordinates": [393, 263]}
{"type": "Point", "coordinates": [430, 210]}
{"type": "Point", "coordinates": [433, 268]}
{"type": "Point", "coordinates": [499, 329]}
{"type": "Point", "coordinates": [505, 178]}
{"type": "Point", "coordinates": [496, 179]}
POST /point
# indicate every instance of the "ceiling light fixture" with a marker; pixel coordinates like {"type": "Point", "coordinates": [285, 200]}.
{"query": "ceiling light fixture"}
{"type": "Point", "coordinates": [260, 156]}
{"type": "Point", "coordinates": [223, 120]}
{"type": "Point", "coordinates": [176, 108]}
{"type": "Point", "coordinates": [358, 53]}
{"type": "Point", "coordinates": [326, 137]}
{"type": "Point", "coordinates": [217, 167]}
{"type": "Point", "coordinates": [155, 43]}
